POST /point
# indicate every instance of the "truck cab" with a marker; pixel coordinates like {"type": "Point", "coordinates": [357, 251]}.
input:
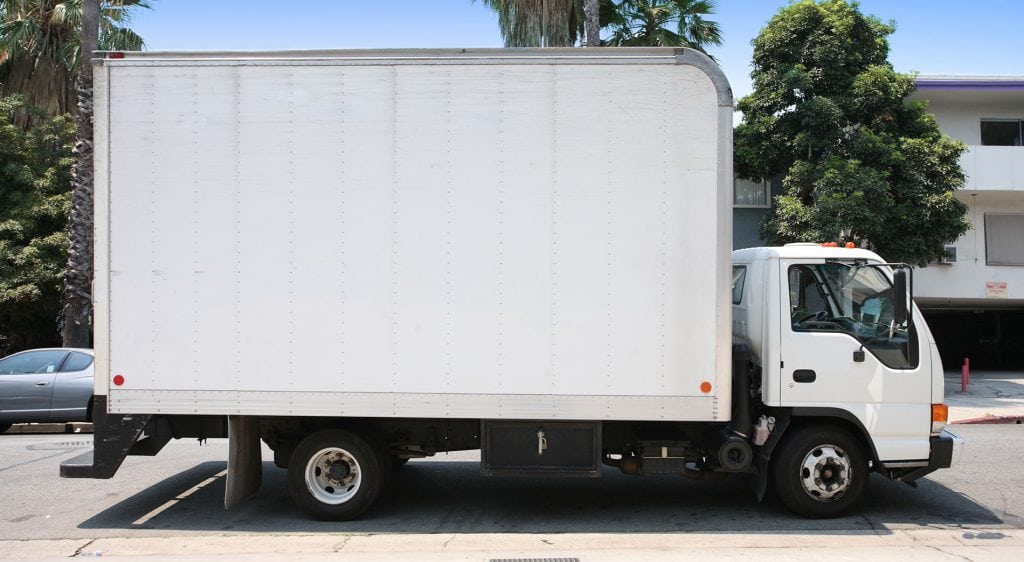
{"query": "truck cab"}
{"type": "Point", "coordinates": [837, 359]}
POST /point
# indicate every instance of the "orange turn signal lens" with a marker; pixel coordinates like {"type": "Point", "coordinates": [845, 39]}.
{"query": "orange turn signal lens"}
{"type": "Point", "coordinates": [940, 413]}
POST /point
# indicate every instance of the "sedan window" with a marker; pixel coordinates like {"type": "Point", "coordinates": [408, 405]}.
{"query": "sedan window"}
{"type": "Point", "coordinates": [43, 361]}
{"type": "Point", "coordinates": [77, 362]}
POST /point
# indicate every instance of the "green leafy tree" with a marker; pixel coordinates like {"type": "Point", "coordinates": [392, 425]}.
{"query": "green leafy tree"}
{"type": "Point", "coordinates": [860, 162]}
{"type": "Point", "coordinates": [661, 23]}
{"type": "Point", "coordinates": [40, 48]}
{"type": "Point", "coordinates": [35, 171]}
{"type": "Point", "coordinates": [523, 22]}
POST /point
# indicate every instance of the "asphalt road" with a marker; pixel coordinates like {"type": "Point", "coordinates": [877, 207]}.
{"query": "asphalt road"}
{"type": "Point", "coordinates": [180, 493]}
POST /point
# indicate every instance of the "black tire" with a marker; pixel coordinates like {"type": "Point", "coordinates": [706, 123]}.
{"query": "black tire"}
{"type": "Point", "coordinates": [345, 474]}
{"type": "Point", "coordinates": [820, 471]}
{"type": "Point", "coordinates": [5, 426]}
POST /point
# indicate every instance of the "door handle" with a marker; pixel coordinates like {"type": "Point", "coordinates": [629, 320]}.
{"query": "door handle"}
{"type": "Point", "coordinates": [804, 375]}
{"type": "Point", "coordinates": [42, 383]}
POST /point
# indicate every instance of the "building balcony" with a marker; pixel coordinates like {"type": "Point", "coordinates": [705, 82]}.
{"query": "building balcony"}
{"type": "Point", "coordinates": [994, 168]}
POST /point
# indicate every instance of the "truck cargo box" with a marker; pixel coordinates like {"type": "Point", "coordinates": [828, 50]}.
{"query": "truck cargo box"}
{"type": "Point", "coordinates": [492, 234]}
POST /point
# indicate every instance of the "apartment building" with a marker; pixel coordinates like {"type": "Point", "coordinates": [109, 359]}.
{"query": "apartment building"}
{"type": "Point", "coordinates": [974, 298]}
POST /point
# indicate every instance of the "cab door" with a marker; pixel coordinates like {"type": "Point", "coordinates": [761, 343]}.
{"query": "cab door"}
{"type": "Point", "coordinates": [826, 319]}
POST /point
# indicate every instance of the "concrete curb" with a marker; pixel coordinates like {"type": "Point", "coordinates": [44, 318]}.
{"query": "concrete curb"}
{"type": "Point", "coordinates": [73, 427]}
{"type": "Point", "coordinates": [992, 420]}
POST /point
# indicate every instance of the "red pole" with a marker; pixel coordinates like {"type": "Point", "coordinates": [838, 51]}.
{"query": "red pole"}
{"type": "Point", "coordinates": [965, 375]}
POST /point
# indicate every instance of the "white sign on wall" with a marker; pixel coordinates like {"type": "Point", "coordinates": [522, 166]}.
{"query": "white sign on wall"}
{"type": "Point", "coordinates": [995, 290]}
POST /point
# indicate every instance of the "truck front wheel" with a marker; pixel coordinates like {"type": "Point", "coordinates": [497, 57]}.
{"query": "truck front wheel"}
{"type": "Point", "coordinates": [820, 471]}
{"type": "Point", "coordinates": [335, 474]}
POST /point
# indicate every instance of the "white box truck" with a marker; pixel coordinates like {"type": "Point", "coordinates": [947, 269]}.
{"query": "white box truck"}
{"type": "Point", "coordinates": [362, 257]}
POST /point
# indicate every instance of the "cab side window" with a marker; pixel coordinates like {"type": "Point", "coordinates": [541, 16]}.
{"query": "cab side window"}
{"type": "Point", "coordinates": [807, 297]}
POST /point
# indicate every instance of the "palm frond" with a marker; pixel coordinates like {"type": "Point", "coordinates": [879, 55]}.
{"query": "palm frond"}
{"type": "Point", "coordinates": [67, 14]}
{"type": "Point", "coordinates": [18, 36]}
{"type": "Point", "coordinates": [40, 50]}
{"type": "Point", "coordinates": [121, 39]}
{"type": "Point", "coordinates": [521, 22]}
{"type": "Point", "coordinates": [668, 23]}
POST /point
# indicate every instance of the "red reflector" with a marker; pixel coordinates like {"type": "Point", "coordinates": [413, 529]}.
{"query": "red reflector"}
{"type": "Point", "coordinates": [118, 380]}
{"type": "Point", "coordinates": [115, 55]}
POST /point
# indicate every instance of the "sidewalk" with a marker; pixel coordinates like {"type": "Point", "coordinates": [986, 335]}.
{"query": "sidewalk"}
{"type": "Point", "coordinates": [991, 397]}
{"type": "Point", "coordinates": [883, 544]}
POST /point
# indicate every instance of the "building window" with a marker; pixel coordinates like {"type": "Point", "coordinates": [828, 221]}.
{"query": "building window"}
{"type": "Point", "coordinates": [1001, 132]}
{"type": "Point", "coordinates": [747, 193]}
{"type": "Point", "coordinates": [1004, 239]}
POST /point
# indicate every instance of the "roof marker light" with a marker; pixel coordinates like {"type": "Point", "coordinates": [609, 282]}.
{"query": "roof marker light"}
{"type": "Point", "coordinates": [115, 55]}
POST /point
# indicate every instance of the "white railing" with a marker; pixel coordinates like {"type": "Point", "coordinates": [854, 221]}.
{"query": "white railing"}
{"type": "Point", "coordinates": [994, 168]}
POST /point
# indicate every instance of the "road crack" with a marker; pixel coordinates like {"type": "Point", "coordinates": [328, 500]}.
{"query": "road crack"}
{"type": "Point", "coordinates": [936, 548]}
{"type": "Point", "coordinates": [78, 552]}
{"type": "Point", "coordinates": [341, 546]}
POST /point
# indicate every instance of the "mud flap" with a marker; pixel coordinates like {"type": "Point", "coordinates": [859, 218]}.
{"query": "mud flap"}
{"type": "Point", "coordinates": [245, 460]}
{"type": "Point", "coordinates": [761, 480]}
{"type": "Point", "coordinates": [763, 458]}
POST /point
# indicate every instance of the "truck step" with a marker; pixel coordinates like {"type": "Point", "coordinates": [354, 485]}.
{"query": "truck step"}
{"type": "Point", "coordinates": [78, 467]}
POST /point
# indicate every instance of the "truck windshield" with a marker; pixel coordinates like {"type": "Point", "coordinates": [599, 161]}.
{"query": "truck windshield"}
{"type": "Point", "coordinates": [858, 301]}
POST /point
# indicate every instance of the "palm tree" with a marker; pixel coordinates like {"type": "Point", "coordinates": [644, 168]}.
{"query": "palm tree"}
{"type": "Point", "coordinates": [661, 23]}
{"type": "Point", "coordinates": [40, 47]}
{"type": "Point", "coordinates": [591, 11]}
{"type": "Point", "coordinates": [77, 313]}
{"type": "Point", "coordinates": [527, 23]}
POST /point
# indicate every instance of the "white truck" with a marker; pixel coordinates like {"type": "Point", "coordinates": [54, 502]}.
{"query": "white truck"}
{"type": "Point", "coordinates": [362, 257]}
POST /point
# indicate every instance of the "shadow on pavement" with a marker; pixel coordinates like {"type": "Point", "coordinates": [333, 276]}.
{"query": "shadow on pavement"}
{"type": "Point", "coordinates": [452, 497]}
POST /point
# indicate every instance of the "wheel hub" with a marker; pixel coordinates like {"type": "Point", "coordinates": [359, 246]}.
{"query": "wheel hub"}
{"type": "Point", "coordinates": [339, 471]}
{"type": "Point", "coordinates": [333, 475]}
{"type": "Point", "coordinates": [826, 473]}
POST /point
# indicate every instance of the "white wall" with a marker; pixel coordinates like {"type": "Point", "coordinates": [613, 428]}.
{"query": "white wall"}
{"type": "Point", "coordinates": [965, 280]}
{"type": "Point", "coordinates": [961, 119]}
{"type": "Point", "coordinates": [995, 184]}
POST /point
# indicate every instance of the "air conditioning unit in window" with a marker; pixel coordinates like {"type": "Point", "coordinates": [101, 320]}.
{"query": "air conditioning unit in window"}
{"type": "Point", "coordinates": [948, 255]}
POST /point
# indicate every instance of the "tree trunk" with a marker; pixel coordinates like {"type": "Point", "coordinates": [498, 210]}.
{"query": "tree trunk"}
{"type": "Point", "coordinates": [78, 285]}
{"type": "Point", "coordinates": [593, 22]}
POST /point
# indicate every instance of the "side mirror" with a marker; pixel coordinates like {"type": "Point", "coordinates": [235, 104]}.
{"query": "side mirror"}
{"type": "Point", "coordinates": [901, 309]}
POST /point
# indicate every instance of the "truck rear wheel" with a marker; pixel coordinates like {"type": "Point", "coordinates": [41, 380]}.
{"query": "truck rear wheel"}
{"type": "Point", "coordinates": [335, 474]}
{"type": "Point", "coordinates": [820, 472]}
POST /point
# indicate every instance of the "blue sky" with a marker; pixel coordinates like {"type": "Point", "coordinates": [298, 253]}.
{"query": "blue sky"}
{"type": "Point", "coordinates": [981, 37]}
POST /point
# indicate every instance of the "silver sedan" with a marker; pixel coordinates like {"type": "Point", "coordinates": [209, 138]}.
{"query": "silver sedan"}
{"type": "Point", "coordinates": [46, 385]}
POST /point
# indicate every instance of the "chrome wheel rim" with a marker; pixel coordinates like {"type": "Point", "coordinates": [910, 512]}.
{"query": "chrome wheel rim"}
{"type": "Point", "coordinates": [333, 475]}
{"type": "Point", "coordinates": [826, 473]}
